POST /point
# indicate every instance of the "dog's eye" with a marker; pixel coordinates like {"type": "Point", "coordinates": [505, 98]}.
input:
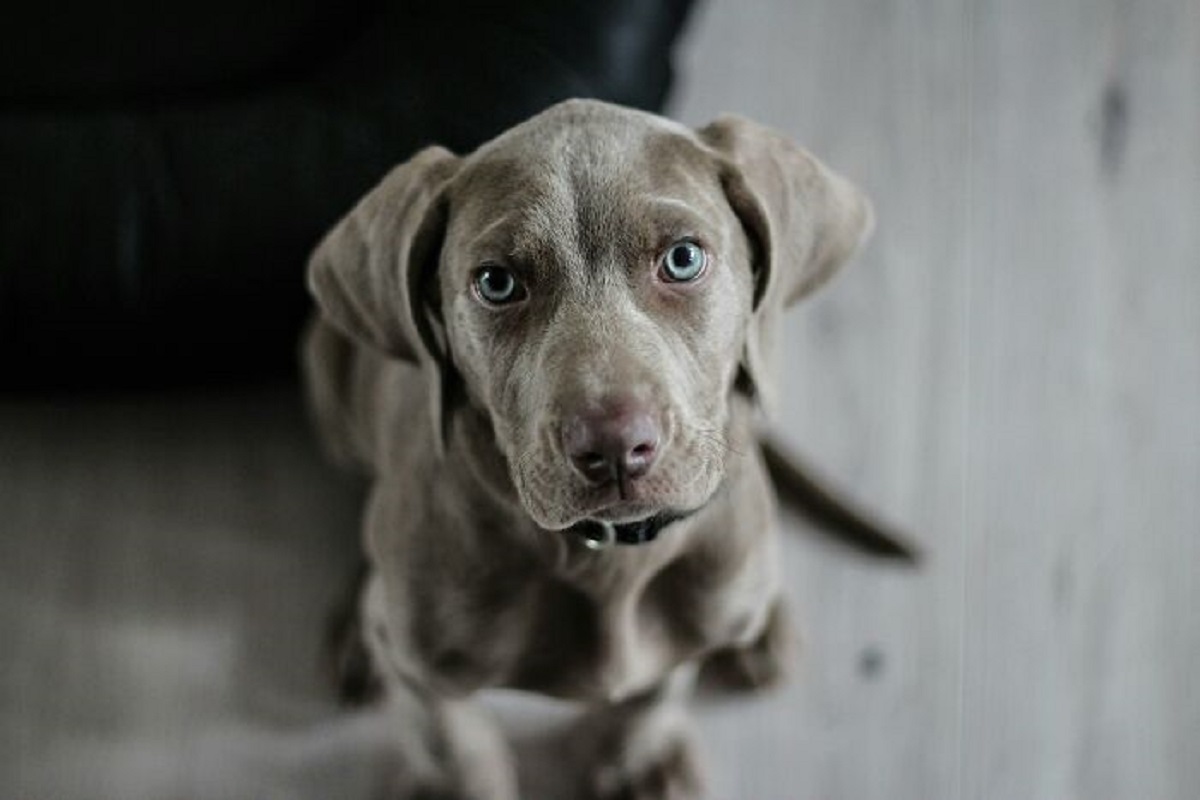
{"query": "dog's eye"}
{"type": "Point", "coordinates": [497, 286]}
{"type": "Point", "coordinates": [684, 261]}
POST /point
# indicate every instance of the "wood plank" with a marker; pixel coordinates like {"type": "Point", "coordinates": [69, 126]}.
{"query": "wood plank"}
{"type": "Point", "coordinates": [1084, 349]}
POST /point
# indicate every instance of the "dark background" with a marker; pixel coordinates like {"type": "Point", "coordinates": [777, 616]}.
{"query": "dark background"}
{"type": "Point", "coordinates": [167, 167]}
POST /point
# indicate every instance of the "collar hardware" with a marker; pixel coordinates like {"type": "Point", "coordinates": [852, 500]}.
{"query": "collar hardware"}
{"type": "Point", "coordinates": [597, 535]}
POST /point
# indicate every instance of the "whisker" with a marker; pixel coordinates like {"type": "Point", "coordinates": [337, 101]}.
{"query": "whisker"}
{"type": "Point", "coordinates": [714, 437]}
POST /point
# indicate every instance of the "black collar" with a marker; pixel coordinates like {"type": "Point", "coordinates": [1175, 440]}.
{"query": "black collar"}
{"type": "Point", "coordinates": [597, 535]}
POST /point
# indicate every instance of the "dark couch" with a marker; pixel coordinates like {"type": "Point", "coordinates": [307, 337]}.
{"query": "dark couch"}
{"type": "Point", "coordinates": [165, 168]}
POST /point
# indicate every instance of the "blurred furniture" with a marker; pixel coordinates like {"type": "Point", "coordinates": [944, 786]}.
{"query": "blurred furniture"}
{"type": "Point", "coordinates": [167, 167]}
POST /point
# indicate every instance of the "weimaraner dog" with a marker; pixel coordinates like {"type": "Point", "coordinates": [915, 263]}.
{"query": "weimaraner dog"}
{"type": "Point", "coordinates": [549, 356]}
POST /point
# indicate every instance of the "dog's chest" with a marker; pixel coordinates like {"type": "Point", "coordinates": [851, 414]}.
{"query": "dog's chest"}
{"type": "Point", "coordinates": [597, 633]}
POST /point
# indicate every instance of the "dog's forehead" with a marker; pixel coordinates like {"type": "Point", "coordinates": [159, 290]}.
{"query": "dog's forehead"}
{"type": "Point", "coordinates": [576, 155]}
{"type": "Point", "coordinates": [581, 167]}
{"type": "Point", "coordinates": [587, 129]}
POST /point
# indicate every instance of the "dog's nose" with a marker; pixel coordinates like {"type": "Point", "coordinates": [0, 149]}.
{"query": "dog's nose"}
{"type": "Point", "coordinates": [617, 442]}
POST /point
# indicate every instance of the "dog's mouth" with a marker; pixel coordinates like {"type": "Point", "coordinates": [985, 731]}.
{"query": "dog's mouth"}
{"type": "Point", "coordinates": [608, 527]}
{"type": "Point", "coordinates": [607, 514]}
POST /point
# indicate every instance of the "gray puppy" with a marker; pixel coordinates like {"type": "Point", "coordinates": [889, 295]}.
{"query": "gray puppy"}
{"type": "Point", "coordinates": [549, 356]}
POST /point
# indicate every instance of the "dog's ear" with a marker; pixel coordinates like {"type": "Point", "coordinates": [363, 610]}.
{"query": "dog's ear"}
{"type": "Point", "coordinates": [373, 275]}
{"type": "Point", "coordinates": [803, 220]}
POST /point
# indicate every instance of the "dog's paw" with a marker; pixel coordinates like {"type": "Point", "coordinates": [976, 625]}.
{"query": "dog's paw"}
{"type": "Point", "coordinates": [747, 669]}
{"type": "Point", "coordinates": [763, 664]}
{"type": "Point", "coordinates": [669, 772]}
{"type": "Point", "coordinates": [347, 662]}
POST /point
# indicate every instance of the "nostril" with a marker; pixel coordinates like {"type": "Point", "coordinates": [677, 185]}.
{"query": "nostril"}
{"type": "Point", "coordinates": [616, 441]}
{"type": "Point", "coordinates": [640, 458]}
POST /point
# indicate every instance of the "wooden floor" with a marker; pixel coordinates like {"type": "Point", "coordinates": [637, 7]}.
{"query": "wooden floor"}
{"type": "Point", "coordinates": [1011, 371]}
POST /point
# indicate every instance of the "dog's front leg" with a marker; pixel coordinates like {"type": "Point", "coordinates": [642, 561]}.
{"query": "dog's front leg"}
{"type": "Point", "coordinates": [447, 748]}
{"type": "Point", "coordinates": [643, 748]}
{"type": "Point", "coordinates": [444, 749]}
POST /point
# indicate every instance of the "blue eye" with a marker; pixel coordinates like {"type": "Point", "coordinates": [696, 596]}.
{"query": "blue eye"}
{"type": "Point", "coordinates": [683, 262]}
{"type": "Point", "coordinates": [497, 286]}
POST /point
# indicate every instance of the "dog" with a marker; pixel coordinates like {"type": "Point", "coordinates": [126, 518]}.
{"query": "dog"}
{"type": "Point", "coordinates": [551, 356]}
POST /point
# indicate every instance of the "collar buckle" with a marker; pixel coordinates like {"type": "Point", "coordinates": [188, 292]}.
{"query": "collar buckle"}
{"type": "Point", "coordinates": [599, 536]}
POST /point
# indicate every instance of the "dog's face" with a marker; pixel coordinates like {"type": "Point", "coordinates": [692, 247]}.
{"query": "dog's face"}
{"type": "Point", "coordinates": [598, 281]}
{"type": "Point", "coordinates": [596, 288]}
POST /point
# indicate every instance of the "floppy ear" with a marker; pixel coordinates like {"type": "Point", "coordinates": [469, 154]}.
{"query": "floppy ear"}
{"type": "Point", "coordinates": [804, 221]}
{"type": "Point", "coordinates": [372, 274]}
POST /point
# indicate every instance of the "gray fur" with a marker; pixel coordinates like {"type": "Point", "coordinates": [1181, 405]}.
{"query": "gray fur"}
{"type": "Point", "coordinates": [453, 409]}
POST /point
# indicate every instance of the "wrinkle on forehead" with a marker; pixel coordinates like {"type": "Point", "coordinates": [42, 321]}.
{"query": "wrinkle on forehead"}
{"type": "Point", "coordinates": [513, 211]}
{"type": "Point", "coordinates": [565, 201]}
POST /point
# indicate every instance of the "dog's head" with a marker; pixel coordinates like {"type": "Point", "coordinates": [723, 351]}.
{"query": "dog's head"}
{"type": "Point", "coordinates": [598, 282]}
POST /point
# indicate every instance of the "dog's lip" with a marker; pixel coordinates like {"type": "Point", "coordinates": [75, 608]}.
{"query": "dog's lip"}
{"type": "Point", "coordinates": [609, 508]}
{"type": "Point", "coordinates": [609, 504]}
{"type": "Point", "coordinates": [606, 507]}
{"type": "Point", "coordinates": [622, 513]}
